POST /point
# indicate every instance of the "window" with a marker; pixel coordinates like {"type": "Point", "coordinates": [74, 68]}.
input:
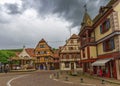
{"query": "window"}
{"type": "Point", "coordinates": [105, 26]}
{"type": "Point", "coordinates": [108, 45]}
{"type": "Point", "coordinates": [67, 65]}
{"type": "Point", "coordinates": [67, 56]}
{"type": "Point", "coordinates": [71, 41]}
{"type": "Point", "coordinates": [38, 52]}
{"type": "Point", "coordinates": [70, 48]}
{"type": "Point", "coordinates": [43, 52]}
{"type": "Point", "coordinates": [42, 46]}
{"type": "Point", "coordinates": [70, 56]}
{"type": "Point", "coordinates": [64, 56]}
{"type": "Point", "coordinates": [77, 40]}
{"type": "Point", "coordinates": [78, 65]}
{"type": "Point", "coordinates": [83, 50]}
{"type": "Point", "coordinates": [78, 56]}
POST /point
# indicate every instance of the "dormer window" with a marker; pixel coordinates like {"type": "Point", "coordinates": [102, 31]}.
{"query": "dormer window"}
{"type": "Point", "coordinates": [105, 26]}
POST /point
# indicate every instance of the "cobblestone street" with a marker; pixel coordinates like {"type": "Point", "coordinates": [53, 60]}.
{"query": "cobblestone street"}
{"type": "Point", "coordinates": [39, 78]}
{"type": "Point", "coordinates": [44, 78]}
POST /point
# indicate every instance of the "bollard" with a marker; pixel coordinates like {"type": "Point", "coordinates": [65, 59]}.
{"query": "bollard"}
{"type": "Point", "coordinates": [54, 75]}
{"type": "Point", "coordinates": [103, 82]}
{"type": "Point", "coordinates": [57, 75]}
{"type": "Point", "coordinates": [81, 79]}
{"type": "Point", "coordinates": [66, 78]}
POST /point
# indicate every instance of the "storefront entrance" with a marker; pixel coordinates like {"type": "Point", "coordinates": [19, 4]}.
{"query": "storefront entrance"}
{"type": "Point", "coordinates": [105, 68]}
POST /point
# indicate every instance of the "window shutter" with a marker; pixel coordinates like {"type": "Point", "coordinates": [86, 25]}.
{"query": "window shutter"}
{"type": "Point", "coordinates": [104, 46]}
{"type": "Point", "coordinates": [112, 43]}
{"type": "Point", "coordinates": [108, 24]}
{"type": "Point", "coordinates": [100, 28]}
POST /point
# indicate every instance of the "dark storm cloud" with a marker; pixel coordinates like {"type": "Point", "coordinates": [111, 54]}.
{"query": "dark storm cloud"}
{"type": "Point", "coordinates": [70, 10]}
{"type": "Point", "coordinates": [12, 8]}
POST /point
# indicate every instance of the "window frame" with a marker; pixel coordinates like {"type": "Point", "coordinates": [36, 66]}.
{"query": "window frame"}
{"type": "Point", "coordinates": [109, 45]}
{"type": "Point", "coordinates": [105, 26]}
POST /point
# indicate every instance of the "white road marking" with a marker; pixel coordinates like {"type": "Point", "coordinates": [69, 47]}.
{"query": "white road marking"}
{"type": "Point", "coordinates": [87, 84]}
{"type": "Point", "coordinates": [8, 83]}
{"type": "Point", "coordinates": [56, 79]}
{"type": "Point", "coordinates": [67, 82]}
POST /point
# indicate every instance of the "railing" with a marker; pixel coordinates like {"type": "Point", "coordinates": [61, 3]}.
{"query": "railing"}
{"type": "Point", "coordinates": [69, 59]}
{"type": "Point", "coordinates": [87, 40]}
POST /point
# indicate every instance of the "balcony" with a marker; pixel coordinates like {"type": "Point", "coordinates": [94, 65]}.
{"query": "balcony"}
{"type": "Point", "coordinates": [88, 40]}
{"type": "Point", "coordinates": [69, 59]}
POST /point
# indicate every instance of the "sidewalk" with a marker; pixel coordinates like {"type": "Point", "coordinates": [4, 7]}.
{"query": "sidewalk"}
{"type": "Point", "coordinates": [88, 80]}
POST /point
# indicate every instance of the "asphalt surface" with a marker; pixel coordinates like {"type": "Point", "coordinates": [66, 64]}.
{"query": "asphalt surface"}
{"type": "Point", "coordinates": [40, 78]}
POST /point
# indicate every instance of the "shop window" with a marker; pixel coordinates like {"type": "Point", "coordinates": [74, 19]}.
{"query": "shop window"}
{"type": "Point", "coordinates": [105, 26]}
{"type": "Point", "coordinates": [108, 45]}
{"type": "Point", "coordinates": [67, 65]}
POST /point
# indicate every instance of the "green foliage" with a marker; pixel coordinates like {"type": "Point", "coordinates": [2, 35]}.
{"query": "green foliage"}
{"type": "Point", "coordinates": [5, 55]}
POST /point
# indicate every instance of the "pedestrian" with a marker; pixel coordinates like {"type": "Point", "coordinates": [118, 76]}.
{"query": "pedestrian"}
{"type": "Point", "coordinates": [98, 72]}
{"type": "Point", "coordinates": [6, 69]}
{"type": "Point", "coordinates": [101, 72]}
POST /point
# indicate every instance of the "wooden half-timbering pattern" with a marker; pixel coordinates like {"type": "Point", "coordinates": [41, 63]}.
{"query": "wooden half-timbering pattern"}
{"type": "Point", "coordinates": [44, 55]}
{"type": "Point", "coordinates": [114, 21]}
{"type": "Point", "coordinates": [70, 54]}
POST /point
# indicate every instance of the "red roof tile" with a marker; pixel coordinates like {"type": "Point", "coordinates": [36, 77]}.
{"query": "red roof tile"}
{"type": "Point", "coordinates": [30, 51]}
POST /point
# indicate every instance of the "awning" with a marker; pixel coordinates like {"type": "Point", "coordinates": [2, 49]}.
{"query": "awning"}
{"type": "Point", "coordinates": [101, 62]}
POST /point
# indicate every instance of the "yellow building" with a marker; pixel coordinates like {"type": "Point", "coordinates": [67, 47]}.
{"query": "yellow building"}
{"type": "Point", "coordinates": [100, 41]}
{"type": "Point", "coordinates": [44, 55]}
{"type": "Point", "coordinates": [87, 43]}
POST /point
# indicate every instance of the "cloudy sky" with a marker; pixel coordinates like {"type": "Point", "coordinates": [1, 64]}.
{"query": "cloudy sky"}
{"type": "Point", "coordinates": [26, 22]}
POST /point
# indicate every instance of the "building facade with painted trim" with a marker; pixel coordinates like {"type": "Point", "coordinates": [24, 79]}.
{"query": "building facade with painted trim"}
{"type": "Point", "coordinates": [100, 41]}
{"type": "Point", "coordinates": [70, 54]}
{"type": "Point", "coordinates": [44, 56]}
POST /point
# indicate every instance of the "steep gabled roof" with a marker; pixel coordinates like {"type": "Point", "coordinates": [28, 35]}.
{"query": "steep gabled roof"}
{"type": "Point", "coordinates": [74, 36]}
{"type": "Point", "coordinates": [43, 41]}
{"type": "Point", "coordinates": [30, 51]}
{"type": "Point", "coordinates": [105, 8]}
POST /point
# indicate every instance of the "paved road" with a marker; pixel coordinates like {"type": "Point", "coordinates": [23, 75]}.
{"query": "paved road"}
{"type": "Point", "coordinates": [32, 79]}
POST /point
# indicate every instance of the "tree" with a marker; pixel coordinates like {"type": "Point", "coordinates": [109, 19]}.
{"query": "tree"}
{"type": "Point", "coordinates": [5, 55]}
